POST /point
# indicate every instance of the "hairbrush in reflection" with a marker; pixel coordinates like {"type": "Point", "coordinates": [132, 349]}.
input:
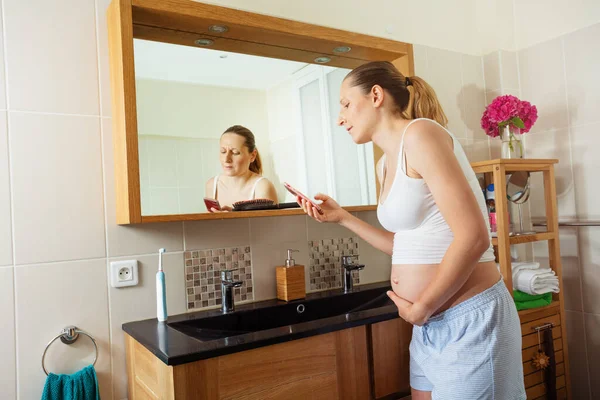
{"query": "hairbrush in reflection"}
{"type": "Point", "coordinates": [256, 204]}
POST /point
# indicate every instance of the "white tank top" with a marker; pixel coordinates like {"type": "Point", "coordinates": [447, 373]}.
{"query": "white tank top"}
{"type": "Point", "coordinates": [421, 234]}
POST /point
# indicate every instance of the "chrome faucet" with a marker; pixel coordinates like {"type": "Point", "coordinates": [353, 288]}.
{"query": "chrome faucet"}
{"type": "Point", "coordinates": [227, 285]}
{"type": "Point", "coordinates": [349, 266]}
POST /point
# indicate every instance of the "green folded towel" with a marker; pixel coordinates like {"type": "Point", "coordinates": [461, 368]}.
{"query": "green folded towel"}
{"type": "Point", "coordinates": [82, 385]}
{"type": "Point", "coordinates": [525, 301]}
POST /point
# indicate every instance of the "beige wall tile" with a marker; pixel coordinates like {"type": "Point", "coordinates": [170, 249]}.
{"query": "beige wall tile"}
{"type": "Point", "coordinates": [589, 248]}
{"type": "Point", "coordinates": [490, 95]}
{"type": "Point", "coordinates": [420, 60]}
{"type": "Point", "coordinates": [578, 358]}
{"type": "Point", "coordinates": [6, 256]}
{"type": "Point", "coordinates": [592, 327]}
{"type": "Point", "coordinates": [378, 265]}
{"type": "Point", "coordinates": [61, 75]}
{"type": "Point", "coordinates": [274, 230]}
{"type": "Point", "coordinates": [267, 256]}
{"type": "Point", "coordinates": [582, 59]}
{"type": "Point", "coordinates": [132, 239]}
{"type": "Point", "coordinates": [135, 303]}
{"type": "Point", "coordinates": [552, 144]}
{"type": "Point", "coordinates": [509, 70]}
{"type": "Point", "coordinates": [473, 95]}
{"type": "Point", "coordinates": [326, 230]}
{"type": "Point", "coordinates": [445, 76]}
{"type": "Point", "coordinates": [50, 297]}
{"type": "Point", "coordinates": [586, 164]}
{"type": "Point", "coordinates": [491, 68]}
{"type": "Point", "coordinates": [216, 233]}
{"type": "Point", "coordinates": [542, 74]}
{"type": "Point", "coordinates": [570, 260]}
{"type": "Point", "coordinates": [3, 104]}
{"type": "Point", "coordinates": [57, 187]}
{"type": "Point", "coordinates": [7, 345]}
{"type": "Point", "coordinates": [103, 68]}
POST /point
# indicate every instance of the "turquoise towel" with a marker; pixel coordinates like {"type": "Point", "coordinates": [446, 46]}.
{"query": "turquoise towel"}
{"type": "Point", "coordinates": [82, 385]}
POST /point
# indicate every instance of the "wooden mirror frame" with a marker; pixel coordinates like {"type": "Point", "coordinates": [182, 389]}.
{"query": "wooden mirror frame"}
{"type": "Point", "coordinates": [184, 21]}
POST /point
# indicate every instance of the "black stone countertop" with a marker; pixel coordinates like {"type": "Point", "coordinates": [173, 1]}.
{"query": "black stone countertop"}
{"type": "Point", "coordinates": [174, 347]}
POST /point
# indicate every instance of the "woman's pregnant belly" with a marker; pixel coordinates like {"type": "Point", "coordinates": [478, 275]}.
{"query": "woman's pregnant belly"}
{"type": "Point", "coordinates": [409, 281]}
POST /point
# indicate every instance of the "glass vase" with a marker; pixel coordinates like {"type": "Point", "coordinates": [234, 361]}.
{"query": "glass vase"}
{"type": "Point", "coordinates": [512, 146]}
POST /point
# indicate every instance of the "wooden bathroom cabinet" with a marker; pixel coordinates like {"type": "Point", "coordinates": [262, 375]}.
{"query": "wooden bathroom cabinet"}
{"type": "Point", "coordinates": [495, 171]}
{"type": "Point", "coordinates": [364, 362]}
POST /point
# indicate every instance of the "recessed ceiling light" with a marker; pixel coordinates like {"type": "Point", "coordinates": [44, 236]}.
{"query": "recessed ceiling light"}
{"type": "Point", "coordinates": [322, 60]}
{"type": "Point", "coordinates": [218, 28]}
{"type": "Point", "coordinates": [204, 42]}
{"type": "Point", "coordinates": [342, 49]}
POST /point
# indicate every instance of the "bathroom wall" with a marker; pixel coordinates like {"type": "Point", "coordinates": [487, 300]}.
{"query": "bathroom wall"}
{"type": "Point", "coordinates": [57, 209]}
{"type": "Point", "coordinates": [559, 76]}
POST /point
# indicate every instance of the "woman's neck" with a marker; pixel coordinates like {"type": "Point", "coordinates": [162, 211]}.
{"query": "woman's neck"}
{"type": "Point", "coordinates": [238, 181]}
{"type": "Point", "coordinates": [388, 133]}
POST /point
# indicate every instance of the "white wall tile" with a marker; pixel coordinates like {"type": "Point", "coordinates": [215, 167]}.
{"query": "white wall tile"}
{"type": "Point", "coordinates": [552, 144]}
{"type": "Point", "coordinates": [7, 344]}
{"type": "Point", "coordinates": [57, 187]}
{"type": "Point", "coordinates": [103, 61]}
{"type": "Point", "coordinates": [582, 58]}
{"type": "Point", "coordinates": [592, 327]}
{"type": "Point", "coordinates": [50, 297]}
{"type": "Point", "coordinates": [578, 359]}
{"type": "Point", "coordinates": [509, 68]}
{"type": "Point", "coordinates": [6, 256]}
{"type": "Point", "coordinates": [216, 233]}
{"type": "Point", "coordinates": [444, 75]}
{"type": "Point", "coordinates": [132, 239]}
{"type": "Point", "coordinates": [61, 75]}
{"type": "Point", "coordinates": [543, 84]}
{"type": "Point", "coordinates": [139, 302]}
{"type": "Point", "coordinates": [473, 95]}
{"type": "Point", "coordinates": [491, 68]}
{"type": "Point", "coordinates": [586, 164]}
{"type": "Point", "coordinates": [589, 248]}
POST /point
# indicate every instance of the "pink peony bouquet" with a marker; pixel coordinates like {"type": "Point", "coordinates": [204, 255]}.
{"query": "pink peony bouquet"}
{"type": "Point", "coordinates": [508, 110]}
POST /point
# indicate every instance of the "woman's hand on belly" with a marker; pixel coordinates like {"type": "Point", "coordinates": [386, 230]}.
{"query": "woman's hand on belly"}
{"type": "Point", "coordinates": [412, 313]}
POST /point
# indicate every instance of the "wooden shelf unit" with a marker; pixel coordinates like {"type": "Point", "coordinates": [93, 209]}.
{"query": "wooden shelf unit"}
{"type": "Point", "coordinates": [495, 172]}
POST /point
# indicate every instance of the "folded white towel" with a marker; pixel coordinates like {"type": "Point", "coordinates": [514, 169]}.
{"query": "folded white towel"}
{"type": "Point", "coordinates": [522, 265]}
{"type": "Point", "coordinates": [536, 281]}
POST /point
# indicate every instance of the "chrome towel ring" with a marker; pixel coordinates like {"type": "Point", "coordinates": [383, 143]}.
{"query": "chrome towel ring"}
{"type": "Point", "coordinates": [68, 336]}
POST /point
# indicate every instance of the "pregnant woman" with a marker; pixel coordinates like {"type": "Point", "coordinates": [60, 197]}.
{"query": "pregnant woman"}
{"type": "Point", "coordinates": [466, 341]}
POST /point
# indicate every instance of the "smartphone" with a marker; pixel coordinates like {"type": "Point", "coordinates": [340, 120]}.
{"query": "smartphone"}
{"type": "Point", "coordinates": [298, 193]}
{"type": "Point", "coordinates": [212, 203]}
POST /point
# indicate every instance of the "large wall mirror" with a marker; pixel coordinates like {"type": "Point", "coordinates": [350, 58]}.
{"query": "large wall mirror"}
{"type": "Point", "coordinates": [183, 73]}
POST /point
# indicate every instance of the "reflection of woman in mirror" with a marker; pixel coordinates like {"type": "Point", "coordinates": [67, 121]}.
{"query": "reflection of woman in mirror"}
{"type": "Point", "coordinates": [466, 341]}
{"type": "Point", "coordinates": [242, 169]}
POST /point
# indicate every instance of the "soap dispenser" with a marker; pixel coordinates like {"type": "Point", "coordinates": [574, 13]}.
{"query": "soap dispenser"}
{"type": "Point", "coordinates": [290, 279]}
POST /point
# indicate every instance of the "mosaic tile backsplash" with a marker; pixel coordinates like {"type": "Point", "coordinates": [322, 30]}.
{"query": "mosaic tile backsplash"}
{"type": "Point", "coordinates": [203, 275]}
{"type": "Point", "coordinates": [326, 261]}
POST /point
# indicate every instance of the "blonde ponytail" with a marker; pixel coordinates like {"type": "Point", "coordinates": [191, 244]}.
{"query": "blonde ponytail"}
{"type": "Point", "coordinates": [423, 102]}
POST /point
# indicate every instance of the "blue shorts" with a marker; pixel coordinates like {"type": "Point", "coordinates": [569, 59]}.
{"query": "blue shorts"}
{"type": "Point", "coordinates": [470, 351]}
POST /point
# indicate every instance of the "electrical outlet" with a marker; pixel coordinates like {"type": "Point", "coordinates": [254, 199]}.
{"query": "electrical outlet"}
{"type": "Point", "coordinates": [123, 273]}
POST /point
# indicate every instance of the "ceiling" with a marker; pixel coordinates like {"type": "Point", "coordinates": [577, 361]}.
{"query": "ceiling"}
{"type": "Point", "coordinates": [171, 62]}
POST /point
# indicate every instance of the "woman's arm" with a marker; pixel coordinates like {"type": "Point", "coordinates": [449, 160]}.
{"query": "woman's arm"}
{"type": "Point", "coordinates": [430, 154]}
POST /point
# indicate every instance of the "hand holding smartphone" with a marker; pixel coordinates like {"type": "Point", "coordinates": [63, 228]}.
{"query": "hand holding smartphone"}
{"type": "Point", "coordinates": [212, 203]}
{"type": "Point", "coordinates": [298, 193]}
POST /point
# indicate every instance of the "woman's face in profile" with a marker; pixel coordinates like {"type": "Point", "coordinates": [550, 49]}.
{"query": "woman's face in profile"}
{"type": "Point", "coordinates": [234, 155]}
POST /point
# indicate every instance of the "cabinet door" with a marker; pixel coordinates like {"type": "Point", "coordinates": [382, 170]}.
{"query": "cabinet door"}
{"type": "Point", "coordinates": [389, 343]}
